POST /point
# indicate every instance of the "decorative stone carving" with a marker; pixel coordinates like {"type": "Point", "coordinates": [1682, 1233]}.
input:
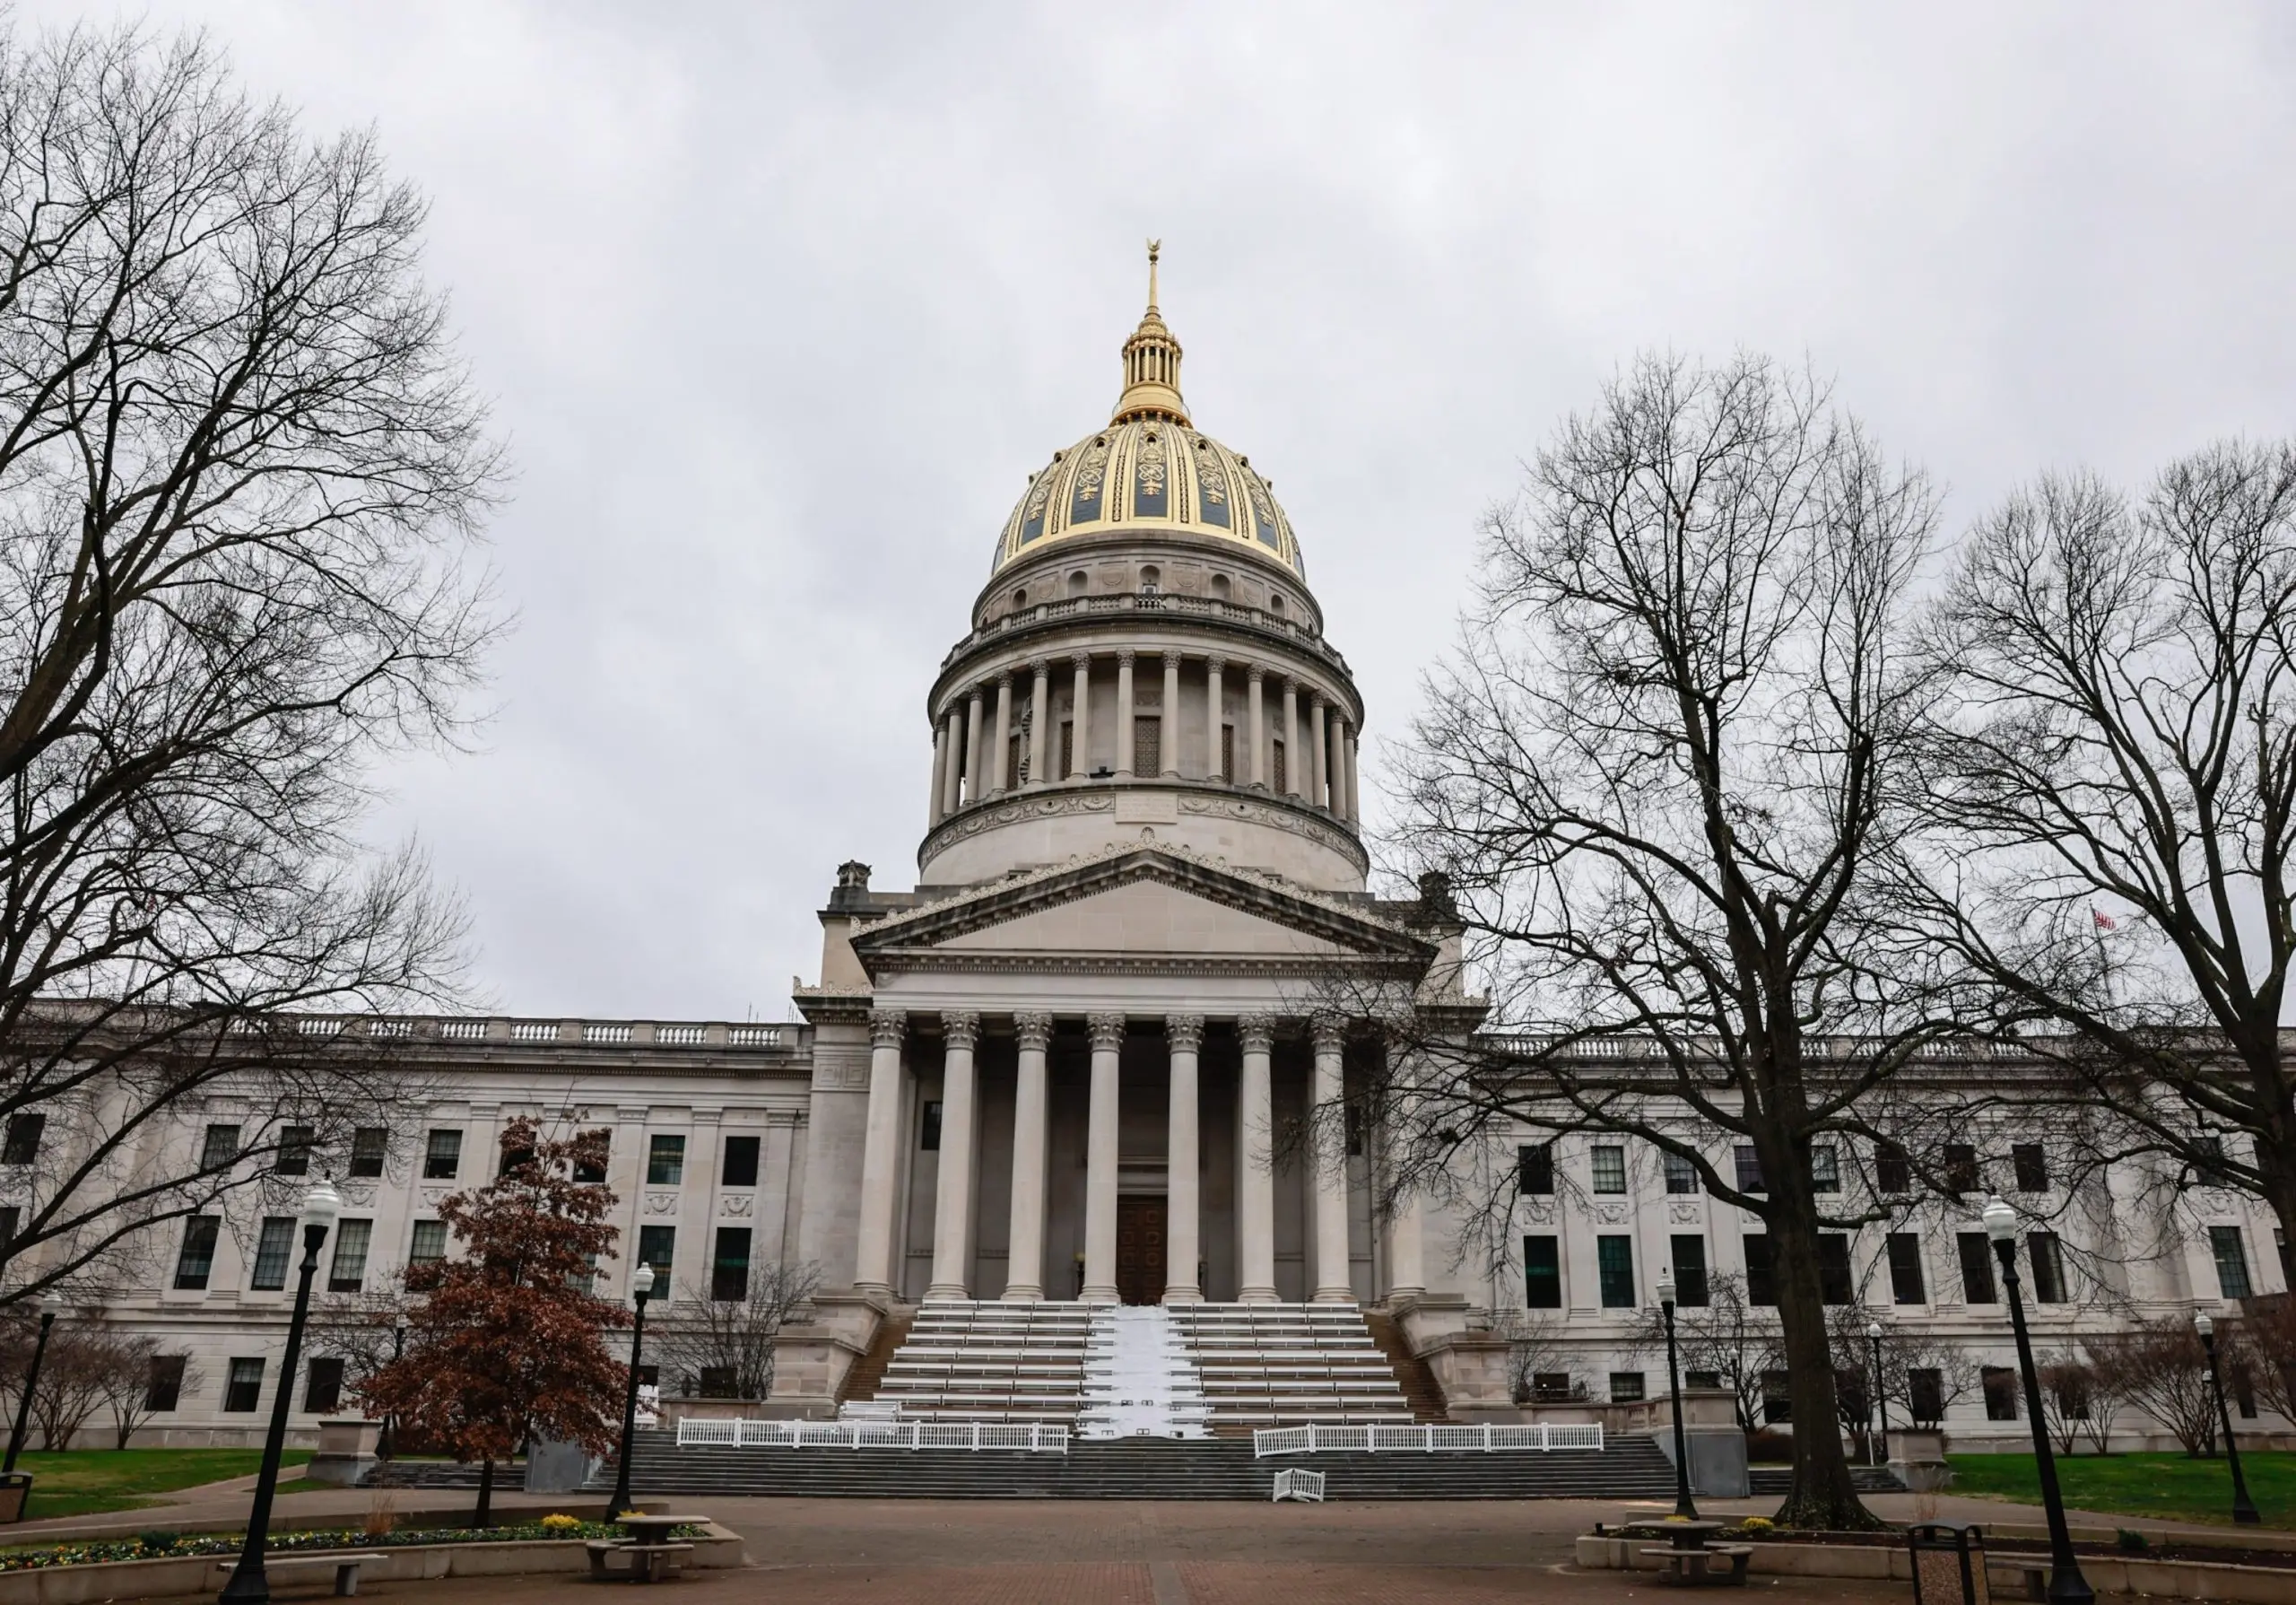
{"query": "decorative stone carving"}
{"type": "Point", "coordinates": [1611, 1214]}
{"type": "Point", "coordinates": [1107, 1030]}
{"type": "Point", "coordinates": [887, 1026]}
{"type": "Point", "coordinates": [1684, 1212]}
{"type": "Point", "coordinates": [1184, 1033]}
{"type": "Point", "coordinates": [1539, 1211]}
{"type": "Point", "coordinates": [1329, 1032]}
{"type": "Point", "coordinates": [960, 1030]}
{"type": "Point", "coordinates": [432, 1197]}
{"type": "Point", "coordinates": [360, 1194]}
{"type": "Point", "coordinates": [736, 1204]}
{"type": "Point", "coordinates": [840, 1072]}
{"type": "Point", "coordinates": [996, 815]}
{"type": "Point", "coordinates": [1275, 817]}
{"type": "Point", "coordinates": [1256, 1032]}
{"type": "Point", "coordinates": [1034, 1030]}
{"type": "Point", "coordinates": [661, 1203]}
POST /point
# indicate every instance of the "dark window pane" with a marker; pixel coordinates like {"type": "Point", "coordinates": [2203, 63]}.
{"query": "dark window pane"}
{"type": "Point", "coordinates": [1961, 1168]}
{"type": "Point", "coordinates": [1689, 1270]}
{"type": "Point", "coordinates": [430, 1243]}
{"type": "Point", "coordinates": [1681, 1176]}
{"type": "Point", "coordinates": [1542, 1273]}
{"type": "Point", "coordinates": [219, 1148]}
{"type": "Point", "coordinates": [22, 1145]}
{"type": "Point", "coordinates": [296, 1144]}
{"type": "Point", "coordinates": [718, 1381]}
{"type": "Point", "coordinates": [1626, 1387]}
{"type": "Point", "coordinates": [928, 1127]}
{"type": "Point", "coordinates": [2208, 1161]}
{"type": "Point", "coordinates": [1977, 1268]}
{"type": "Point", "coordinates": [1534, 1168]}
{"type": "Point", "coordinates": [2232, 1262]}
{"type": "Point", "coordinates": [1825, 1168]}
{"type": "Point", "coordinates": [163, 1389]}
{"type": "Point", "coordinates": [1777, 1398]}
{"type": "Point", "coordinates": [1834, 1282]}
{"type": "Point", "coordinates": [196, 1257]}
{"type": "Point", "coordinates": [323, 1385]}
{"type": "Point", "coordinates": [1926, 1396]}
{"type": "Point", "coordinates": [347, 1272]}
{"type": "Point", "coordinates": [1550, 1387]}
{"type": "Point", "coordinates": [592, 1171]}
{"type": "Point", "coordinates": [741, 1162]}
{"type": "Point", "coordinates": [2031, 1166]}
{"type": "Point", "coordinates": [2049, 1267]}
{"type": "Point", "coordinates": [657, 1247]}
{"type": "Point", "coordinates": [1761, 1272]}
{"type": "Point", "coordinates": [243, 1387]}
{"type": "Point", "coordinates": [369, 1145]}
{"type": "Point", "coordinates": [1610, 1168]}
{"type": "Point", "coordinates": [274, 1243]}
{"type": "Point", "coordinates": [10, 1215]}
{"type": "Point", "coordinates": [2000, 1392]}
{"type": "Point", "coordinates": [1702, 1379]}
{"type": "Point", "coordinates": [1614, 1262]}
{"type": "Point", "coordinates": [1893, 1172]}
{"type": "Point", "coordinates": [442, 1155]}
{"type": "Point", "coordinates": [512, 1158]}
{"type": "Point", "coordinates": [665, 1161]}
{"type": "Point", "coordinates": [1906, 1284]}
{"type": "Point", "coordinates": [729, 1272]}
{"type": "Point", "coordinates": [1749, 1168]}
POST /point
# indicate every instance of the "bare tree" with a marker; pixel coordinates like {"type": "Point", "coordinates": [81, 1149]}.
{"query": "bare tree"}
{"type": "Point", "coordinates": [1736, 1343]}
{"type": "Point", "coordinates": [721, 1338]}
{"type": "Point", "coordinates": [125, 1379]}
{"type": "Point", "coordinates": [2268, 1331]}
{"type": "Point", "coordinates": [74, 1376]}
{"type": "Point", "coordinates": [1654, 772]}
{"type": "Point", "coordinates": [2160, 1367]}
{"type": "Point", "coordinates": [2068, 1397]}
{"type": "Point", "coordinates": [1536, 1354]}
{"type": "Point", "coordinates": [2111, 796]}
{"type": "Point", "coordinates": [240, 463]}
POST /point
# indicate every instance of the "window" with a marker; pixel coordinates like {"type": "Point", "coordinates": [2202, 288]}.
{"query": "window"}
{"type": "Point", "coordinates": [1689, 1251]}
{"type": "Point", "coordinates": [1614, 1263]}
{"type": "Point", "coordinates": [1749, 1167]}
{"type": "Point", "coordinates": [1702, 1379]}
{"type": "Point", "coordinates": [2208, 1161]}
{"type": "Point", "coordinates": [740, 1169]}
{"type": "Point", "coordinates": [163, 1386]}
{"type": "Point", "coordinates": [1354, 1130]}
{"type": "Point", "coordinates": [10, 1214]}
{"type": "Point", "coordinates": [442, 1155]}
{"type": "Point", "coordinates": [729, 1272]}
{"type": "Point", "coordinates": [512, 1158]}
{"type": "Point", "coordinates": [2243, 1383]}
{"type": "Point", "coordinates": [243, 1387]}
{"type": "Point", "coordinates": [1924, 1392]}
{"type": "Point", "coordinates": [430, 1244]}
{"type": "Point", "coordinates": [928, 1127]}
{"type": "Point", "coordinates": [1905, 1285]}
{"type": "Point", "coordinates": [1068, 747]}
{"type": "Point", "coordinates": [1228, 751]}
{"type": "Point", "coordinates": [716, 1381]}
{"type": "Point", "coordinates": [1543, 1273]}
{"type": "Point", "coordinates": [591, 1172]}
{"type": "Point", "coordinates": [274, 1243]}
{"type": "Point", "coordinates": [1977, 1268]}
{"type": "Point", "coordinates": [296, 1144]}
{"type": "Point", "coordinates": [23, 1145]}
{"type": "Point", "coordinates": [1610, 1168]}
{"type": "Point", "coordinates": [665, 1161]}
{"type": "Point", "coordinates": [1147, 747]}
{"type": "Point", "coordinates": [1893, 1172]}
{"type": "Point", "coordinates": [196, 1257]}
{"type": "Point", "coordinates": [2232, 1262]}
{"type": "Point", "coordinates": [1534, 1168]}
{"type": "Point", "coordinates": [1777, 1398]}
{"type": "Point", "coordinates": [369, 1145]}
{"type": "Point", "coordinates": [2049, 1267]}
{"type": "Point", "coordinates": [656, 1246]}
{"type": "Point", "coordinates": [2000, 1392]}
{"type": "Point", "coordinates": [2031, 1165]}
{"type": "Point", "coordinates": [1762, 1275]}
{"type": "Point", "coordinates": [1681, 1176]}
{"type": "Point", "coordinates": [1550, 1387]}
{"type": "Point", "coordinates": [1275, 764]}
{"type": "Point", "coordinates": [347, 1272]}
{"type": "Point", "coordinates": [1961, 1168]}
{"type": "Point", "coordinates": [1825, 1168]}
{"type": "Point", "coordinates": [1626, 1387]}
{"type": "Point", "coordinates": [221, 1148]}
{"type": "Point", "coordinates": [1835, 1284]}
{"type": "Point", "coordinates": [322, 1386]}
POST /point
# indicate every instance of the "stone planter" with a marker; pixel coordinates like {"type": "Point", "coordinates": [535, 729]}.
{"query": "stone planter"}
{"type": "Point", "coordinates": [1917, 1455]}
{"type": "Point", "coordinates": [346, 1452]}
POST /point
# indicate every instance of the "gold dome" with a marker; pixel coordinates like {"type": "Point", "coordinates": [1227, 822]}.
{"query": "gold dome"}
{"type": "Point", "coordinates": [1150, 468]}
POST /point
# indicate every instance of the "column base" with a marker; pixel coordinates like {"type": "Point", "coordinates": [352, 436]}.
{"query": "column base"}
{"type": "Point", "coordinates": [882, 1290]}
{"type": "Point", "coordinates": [1022, 1295]}
{"type": "Point", "coordinates": [1332, 1296]}
{"type": "Point", "coordinates": [1099, 1296]}
{"type": "Point", "coordinates": [1258, 1296]}
{"type": "Point", "coordinates": [1183, 1296]}
{"type": "Point", "coordinates": [947, 1290]}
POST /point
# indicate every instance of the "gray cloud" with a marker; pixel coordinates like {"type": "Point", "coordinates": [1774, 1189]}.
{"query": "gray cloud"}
{"type": "Point", "coordinates": [781, 305]}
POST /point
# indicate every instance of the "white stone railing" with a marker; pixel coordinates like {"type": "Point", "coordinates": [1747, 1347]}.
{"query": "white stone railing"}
{"type": "Point", "coordinates": [740, 1433]}
{"type": "Point", "coordinates": [1422, 1440]}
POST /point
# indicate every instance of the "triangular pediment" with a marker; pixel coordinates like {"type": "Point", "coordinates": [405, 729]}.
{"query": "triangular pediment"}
{"type": "Point", "coordinates": [1147, 906]}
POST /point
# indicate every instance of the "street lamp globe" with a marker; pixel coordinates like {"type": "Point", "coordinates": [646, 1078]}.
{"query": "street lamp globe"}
{"type": "Point", "coordinates": [322, 1205]}
{"type": "Point", "coordinates": [2202, 1324]}
{"type": "Point", "coordinates": [641, 1280]}
{"type": "Point", "coordinates": [51, 1304]}
{"type": "Point", "coordinates": [1874, 1330]}
{"type": "Point", "coordinates": [2000, 1220]}
{"type": "Point", "coordinates": [1665, 1284]}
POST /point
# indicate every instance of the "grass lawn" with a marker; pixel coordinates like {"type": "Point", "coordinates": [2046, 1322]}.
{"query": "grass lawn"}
{"type": "Point", "coordinates": [84, 1481]}
{"type": "Point", "coordinates": [2167, 1485]}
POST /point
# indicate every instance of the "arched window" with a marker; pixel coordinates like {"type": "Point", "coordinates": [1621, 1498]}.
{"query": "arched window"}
{"type": "Point", "coordinates": [1220, 587]}
{"type": "Point", "coordinates": [1078, 583]}
{"type": "Point", "coordinates": [1275, 604]}
{"type": "Point", "coordinates": [1020, 597]}
{"type": "Point", "coordinates": [1151, 579]}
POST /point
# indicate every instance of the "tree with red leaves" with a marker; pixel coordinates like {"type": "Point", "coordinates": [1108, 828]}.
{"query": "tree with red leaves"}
{"type": "Point", "coordinates": [505, 1342]}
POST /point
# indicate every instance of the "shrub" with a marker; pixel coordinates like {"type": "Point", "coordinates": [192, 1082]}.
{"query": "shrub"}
{"type": "Point", "coordinates": [157, 1543]}
{"type": "Point", "coordinates": [2131, 1541]}
{"type": "Point", "coordinates": [562, 1524]}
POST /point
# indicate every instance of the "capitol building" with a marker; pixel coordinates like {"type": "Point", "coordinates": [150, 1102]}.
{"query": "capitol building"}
{"type": "Point", "coordinates": [1050, 1075]}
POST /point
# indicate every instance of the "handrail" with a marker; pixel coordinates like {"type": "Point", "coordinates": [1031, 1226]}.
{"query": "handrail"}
{"type": "Point", "coordinates": [741, 1433]}
{"type": "Point", "coordinates": [1427, 1440]}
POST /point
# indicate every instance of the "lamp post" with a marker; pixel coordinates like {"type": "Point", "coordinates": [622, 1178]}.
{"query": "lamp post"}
{"type": "Point", "coordinates": [386, 1440]}
{"type": "Point", "coordinates": [49, 1305]}
{"type": "Point", "coordinates": [1682, 1505]}
{"type": "Point", "coordinates": [2066, 1585]}
{"type": "Point", "coordinates": [321, 1205]}
{"type": "Point", "coordinates": [641, 1283]}
{"type": "Point", "coordinates": [1881, 1399]}
{"type": "Point", "coordinates": [2244, 1509]}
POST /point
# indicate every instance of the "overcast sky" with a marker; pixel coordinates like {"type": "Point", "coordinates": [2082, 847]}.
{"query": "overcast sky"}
{"type": "Point", "coordinates": [779, 306]}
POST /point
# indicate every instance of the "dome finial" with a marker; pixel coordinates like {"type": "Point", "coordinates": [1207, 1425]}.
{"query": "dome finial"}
{"type": "Point", "coordinates": [1152, 363]}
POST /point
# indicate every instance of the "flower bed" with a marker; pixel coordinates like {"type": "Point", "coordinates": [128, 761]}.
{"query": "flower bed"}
{"type": "Point", "coordinates": [169, 1545]}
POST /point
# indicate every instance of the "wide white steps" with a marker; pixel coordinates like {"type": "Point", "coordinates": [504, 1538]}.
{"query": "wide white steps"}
{"type": "Point", "coordinates": [1139, 1382]}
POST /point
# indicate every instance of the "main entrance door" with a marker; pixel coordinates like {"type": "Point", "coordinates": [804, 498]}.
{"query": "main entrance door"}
{"type": "Point", "coordinates": [1140, 1219]}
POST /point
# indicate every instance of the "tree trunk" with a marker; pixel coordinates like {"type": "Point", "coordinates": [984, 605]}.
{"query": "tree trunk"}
{"type": "Point", "coordinates": [1822, 1494]}
{"type": "Point", "coordinates": [485, 1516]}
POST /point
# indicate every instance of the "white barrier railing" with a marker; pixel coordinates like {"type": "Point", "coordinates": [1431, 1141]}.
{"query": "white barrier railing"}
{"type": "Point", "coordinates": [734, 1434]}
{"type": "Point", "coordinates": [1299, 1485]}
{"type": "Point", "coordinates": [1422, 1440]}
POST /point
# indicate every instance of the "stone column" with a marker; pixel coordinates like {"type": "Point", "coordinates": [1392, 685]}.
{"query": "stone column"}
{"type": "Point", "coordinates": [1183, 1172]}
{"type": "Point", "coordinates": [1333, 1283]}
{"type": "Point", "coordinates": [1124, 712]}
{"type": "Point", "coordinates": [873, 1268]}
{"type": "Point", "coordinates": [1340, 803]}
{"type": "Point", "coordinates": [1291, 737]}
{"type": "Point", "coordinates": [1168, 750]}
{"type": "Point", "coordinates": [952, 1201]}
{"type": "Point", "coordinates": [953, 785]}
{"type": "Point", "coordinates": [1258, 719]}
{"type": "Point", "coordinates": [1100, 1161]}
{"type": "Point", "coordinates": [1024, 1267]}
{"type": "Point", "coordinates": [1213, 768]}
{"type": "Point", "coordinates": [1040, 720]}
{"type": "Point", "coordinates": [1079, 761]}
{"type": "Point", "coordinates": [1256, 1187]}
{"type": "Point", "coordinates": [1354, 802]}
{"type": "Point", "coordinates": [1319, 773]}
{"type": "Point", "coordinates": [1000, 750]}
{"type": "Point", "coordinates": [1406, 1249]}
{"type": "Point", "coordinates": [933, 813]}
{"type": "Point", "coordinates": [975, 773]}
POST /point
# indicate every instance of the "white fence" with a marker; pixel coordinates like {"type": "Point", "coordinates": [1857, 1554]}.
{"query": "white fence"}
{"type": "Point", "coordinates": [1422, 1440]}
{"type": "Point", "coordinates": [1299, 1485]}
{"type": "Point", "coordinates": [732, 1434]}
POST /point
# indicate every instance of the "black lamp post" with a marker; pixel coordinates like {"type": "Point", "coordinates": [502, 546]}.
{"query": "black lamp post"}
{"type": "Point", "coordinates": [49, 1305]}
{"type": "Point", "coordinates": [1682, 1505]}
{"type": "Point", "coordinates": [641, 1283]}
{"type": "Point", "coordinates": [2066, 1585]}
{"type": "Point", "coordinates": [2244, 1509]}
{"type": "Point", "coordinates": [321, 1205]}
{"type": "Point", "coordinates": [386, 1440]}
{"type": "Point", "coordinates": [1880, 1398]}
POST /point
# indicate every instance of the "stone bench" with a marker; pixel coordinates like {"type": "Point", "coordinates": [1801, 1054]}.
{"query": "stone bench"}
{"type": "Point", "coordinates": [345, 1566]}
{"type": "Point", "coordinates": [649, 1563]}
{"type": "Point", "coordinates": [1721, 1564]}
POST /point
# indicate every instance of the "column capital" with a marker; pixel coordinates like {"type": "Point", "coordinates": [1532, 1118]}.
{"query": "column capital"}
{"type": "Point", "coordinates": [1258, 1031]}
{"type": "Point", "coordinates": [1041, 667]}
{"type": "Point", "coordinates": [1034, 1030]}
{"type": "Point", "coordinates": [1005, 680]}
{"type": "Point", "coordinates": [1329, 1030]}
{"type": "Point", "coordinates": [1080, 661]}
{"type": "Point", "coordinates": [1214, 663]}
{"type": "Point", "coordinates": [1315, 698]}
{"type": "Point", "coordinates": [1185, 1032]}
{"type": "Point", "coordinates": [1257, 673]}
{"type": "Point", "coordinates": [960, 1029]}
{"type": "Point", "coordinates": [1291, 685]}
{"type": "Point", "coordinates": [887, 1026]}
{"type": "Point", "coordinates": [1123, 659]}
{"type": "Point", "coordinates": [1107, 1030]}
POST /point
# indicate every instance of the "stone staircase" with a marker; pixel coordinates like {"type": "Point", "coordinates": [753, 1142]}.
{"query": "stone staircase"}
{"type": "Point", "coordinates": [1775, 1482]}
{"type": "Point", "coordinates": [1420, 1391]}
{"type": "Point", "coordinates": [868, 1374]}
{"type": "Point", "coordinates": [1139, 1382]}
{"type": "Point", "coordinates": [986, 1360]}
{"type": "Point", "coordinates": [1288, 1365]}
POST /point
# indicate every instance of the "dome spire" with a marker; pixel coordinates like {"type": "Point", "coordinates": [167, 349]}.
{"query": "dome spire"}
{"type": "Point", "coordinates": [1152, 363]}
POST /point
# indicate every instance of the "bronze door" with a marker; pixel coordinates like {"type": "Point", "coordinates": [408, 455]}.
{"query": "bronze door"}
{"type": "Point", "coordinates": [1140, 1249]}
